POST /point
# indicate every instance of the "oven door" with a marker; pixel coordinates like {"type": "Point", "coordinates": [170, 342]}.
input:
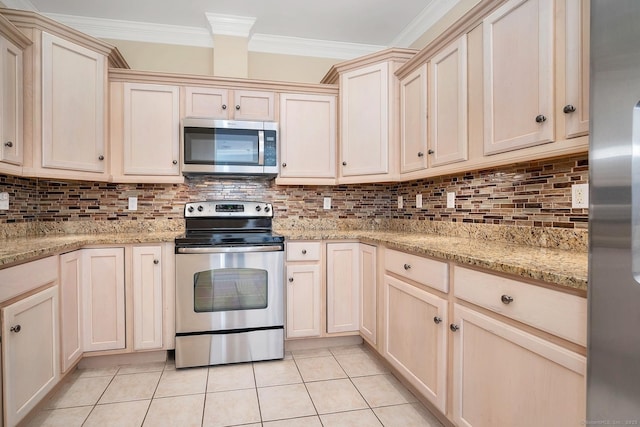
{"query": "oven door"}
{"type": "Point", "coordinates": [229, 288]}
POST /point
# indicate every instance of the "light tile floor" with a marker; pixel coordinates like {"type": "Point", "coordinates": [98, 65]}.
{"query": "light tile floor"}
{"type": "Point", "coordinates": [342, 386]}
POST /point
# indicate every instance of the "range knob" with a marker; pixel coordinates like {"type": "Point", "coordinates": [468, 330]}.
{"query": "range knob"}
{"type": "Point", "coordinates": [200, 208]}
{"type": "Point", "coordinates": [190, 208]}
{"type": "Point", "coordinates": [267, 208]}
{"type": "Point", "coordinates": [258, 208]}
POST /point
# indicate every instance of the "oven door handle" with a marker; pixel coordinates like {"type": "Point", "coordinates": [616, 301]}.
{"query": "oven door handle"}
{"type": "Point", "coordinates": [230, 249]}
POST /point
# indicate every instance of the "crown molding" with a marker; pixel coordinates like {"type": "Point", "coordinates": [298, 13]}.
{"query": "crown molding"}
{"type": "Point", "coordinates": [230, 25]}
{"type": "Point", "coordinates": [432, 13]}
{"type": "Point", "coordinates": [20, 4]}
{"type": "Point", "coordinates": [310, 47]}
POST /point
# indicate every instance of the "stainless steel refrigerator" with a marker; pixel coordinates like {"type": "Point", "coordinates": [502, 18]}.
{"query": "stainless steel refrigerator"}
{"type": "Point", "coordinates": [613, 373]}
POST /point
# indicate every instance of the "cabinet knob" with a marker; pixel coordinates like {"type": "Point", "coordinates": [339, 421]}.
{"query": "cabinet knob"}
{"type": "Point", "coordinates": [568, 109]}
{"type": "Point", "coordinates": [175, 162]}
{"type": "Point", "coordinates": [541, 118]}
{"type": "Point", "coordinates": [284, 165]}
{"type": "Point", "coordinates": [454, 327]}
{"type": "Point", "coordinates": [407, 266]}
{"type": "Point", "coordinates": [156, 261]}
{"type": "Point", "coordinates": [15, 329]}
{"type": "Point", "coordinates": [237, 107]}
{"type": "Point", "coordinates": [304, 252]}
{"type": "Point", "coordinates": [430, 151]}
{"type": "Point", "coordinates": [506, 299]}
{"type": "Point", "coordinates": [420, 154]}
{"type": "Point", "coordinates": [101, 157]}
{"type": "Point", "coordinates": [437, 320]}
{"type": "Point", "coordinates": [290, 279]}
{"type": "Point", "coordinates": [8, 144]}
{"type": "Point", "coordinates": [344, 163]}
{"type": "Point", "coordinates": [224, 106]}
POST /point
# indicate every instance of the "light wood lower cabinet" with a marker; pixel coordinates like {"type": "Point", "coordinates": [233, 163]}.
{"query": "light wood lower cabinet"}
{"type": "Point", "coordinates": [103, 299]}
{"type": "Point", "coordinates": [30, 351]}
{"type": "Point", "coordinates": [70, 308]}
{"type": "Point", "coordinates": [415, 323]}
{"type": "Point", "coordinates": [368, 293]}
{"type": "Point", "coordinates": [503, 376]}
{"type": "Point", "coordinates": [343, 287]}
{"type": "Point", "coordinates": [303, 301]}
{"type": "Point", "coordinates": [147, 297]}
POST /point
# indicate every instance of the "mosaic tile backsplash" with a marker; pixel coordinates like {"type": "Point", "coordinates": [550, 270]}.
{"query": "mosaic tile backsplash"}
{"type": "Point", "coordinates": [534, 194]}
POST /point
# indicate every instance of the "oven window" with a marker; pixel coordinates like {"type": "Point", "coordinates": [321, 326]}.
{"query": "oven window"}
{"type": "Point", "coordinates": [228, 289]}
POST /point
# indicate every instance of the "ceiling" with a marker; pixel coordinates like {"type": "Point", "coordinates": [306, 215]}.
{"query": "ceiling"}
{"type": "Point", "coordinates": [342, 28]}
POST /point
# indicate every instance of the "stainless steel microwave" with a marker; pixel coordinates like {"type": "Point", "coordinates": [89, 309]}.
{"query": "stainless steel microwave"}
{"type": "Point", "coordinates": [228, 147]}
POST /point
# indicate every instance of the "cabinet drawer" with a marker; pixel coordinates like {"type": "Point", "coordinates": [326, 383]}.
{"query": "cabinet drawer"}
{"type": "Point", "coordinates": [26, 277]}
{"type": "Point", "coordinates": [429, 272]}
{"type": "Point", "coordinates": [556, 312]}
{"type": "Point", "coordinates": [303, 251]}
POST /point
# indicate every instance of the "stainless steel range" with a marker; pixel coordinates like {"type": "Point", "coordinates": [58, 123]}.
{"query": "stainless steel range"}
{"type": "Point", "coordinates": [229, 285]}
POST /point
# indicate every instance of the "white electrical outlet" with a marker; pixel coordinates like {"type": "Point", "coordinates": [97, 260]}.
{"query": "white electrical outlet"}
{"type": "Point", "coordinates": [4, 201]}
{"type": "Point", "coordinates": [580, 196]}
{"type": "Point", "coordinates": [451, 200]}
{"type": "Point", "coordinates": [326, 204]}
{"type": "Point", "coordinates": [400, 203]}
{"type": "Point", "coordinates": [418, 201]}
{"type": "Point", "coordinates": [133, 203]}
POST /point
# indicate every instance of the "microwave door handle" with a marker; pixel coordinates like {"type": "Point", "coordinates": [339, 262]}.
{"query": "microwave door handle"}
{"type": "Point", "coordinates": [261, 147]}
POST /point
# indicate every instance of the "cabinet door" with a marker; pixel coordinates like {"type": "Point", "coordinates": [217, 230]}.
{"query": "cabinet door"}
{"type": "Point", "coordinates": [147, 297]}
{"type": "Point", "coordinates": [29, 352]}
{"type": "Point", "coordinates": [368, 293]}
{"type": "Point", "coordinates": [364, 125]}
{"type": "Point", "coordinates": [207, 102]}
{"type": "Point", "coordinates": [308, 136]}
{"type": "Point", "coordinates": [506, 377]}
{"type": "Point", "coordinates": [518, 81]}
{"type": "Point", "coordinates": [413, 121]}
{"type": "Point", "coordinates": [448, 116]}
{"type": "Point", "coordinates": [576, 109]}
{"type": "Point", "coordinates": [103, 299]}
{"type": "Point", "coordinates": [303, 300]}
{"type": "Point", "coordinates": [343, 287]}
{"type": "Point", "coordinates": [151, 129]}
{"type": "Point", "coordinates": [70, 313]}
{"type": "Point", "coordinates": [73, 106]}
{"type": "Point", "coordinates": [253, 105]}
{"type": "Point", "coordinates": [11, 150]}
{"type": "Point", "coordinates": [415, 343]}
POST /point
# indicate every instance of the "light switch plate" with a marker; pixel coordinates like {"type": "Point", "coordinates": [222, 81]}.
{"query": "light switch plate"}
{"type": "Point", "coordinates": [451, 200]}
{"type": "Point", "coordinates": [400, 203]}
{"type": "Point", "coordinates": [4, 201]}
{"type": "Point", "coordinates": [418, 201]}
{"type": "Point", "coordinates": [133, 203]}
{"type": "Point", "coordinates": [327, 203]}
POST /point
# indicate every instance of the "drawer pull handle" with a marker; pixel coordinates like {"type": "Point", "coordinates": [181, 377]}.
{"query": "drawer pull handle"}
{"type": "Point", "coordinates": [290, 279]}
{"type": "Point", "coordinates": [541, 118]}
{"type": "Point", "coordinates": [437, 320]}
{"type": "Point", "coordinates": [304, 252]}
{"type": "Point", "coordinates": [407, 266]}
{"type": "Point", "coordinates": [15, 329]}
{"type": "Point", "coordinates": [454, 327]}
{"type": "Point", "coordinates": [506, 299]}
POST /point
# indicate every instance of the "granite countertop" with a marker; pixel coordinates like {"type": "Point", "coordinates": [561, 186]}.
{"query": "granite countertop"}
{"type": "Point", "coordinates": [562, 268]}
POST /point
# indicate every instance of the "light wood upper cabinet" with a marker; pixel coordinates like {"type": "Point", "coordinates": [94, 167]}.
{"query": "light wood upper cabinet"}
{"type": "Point", "coordinates": [73, 107]}
{"type": "Point", "coordinates": [103, 299]}
{"type": "Point", "coordinates": [308, 130]}
{"type": "Point", "coordinates": [415, 337]}
{"type": "Point", "coordinates": [368, 293]}
{"type": "Point", "coordinates": [225, 104]}
{"type": "Point", "coordinates": [503, 376]}
{"type": "Point", "coordinates": [11, 148]}
{"type": "Point", "coordinates": [448, 140]}
{"type": "Point", "coordinates": [343, 287]}
{"type": "Point", "coordinates": [30, 351]}
{"type": "Point", "coordinates": [576, 103]}
{"type": "Point", "coordinates": [70, 308]}
{"type": "Point", "coordinates": [413, 121]}
{"type": "Point", "coordinates": [364, 132]}
{"type": "Point", "coordinates": [147, 297]}
{"type": "Point", "coordinates": [518, 42]}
